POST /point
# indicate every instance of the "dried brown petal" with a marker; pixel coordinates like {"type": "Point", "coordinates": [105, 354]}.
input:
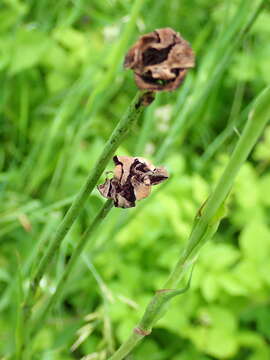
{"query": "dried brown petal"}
{"type": "Point", "coordinates": [132, 180]}
{"type": "Point", "coordinates": [160, 60]}
{"type": "Point", "coordinates": [122, 202]}
{"type": "Point", "coordinates": [122, 167]}
{"type": "Point", "coordinates": [141, 190]}
{"type": "Point", "coordinates": [104, 189]}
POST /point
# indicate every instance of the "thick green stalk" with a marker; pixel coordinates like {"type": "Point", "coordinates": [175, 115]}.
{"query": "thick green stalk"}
{"type": "Point", "coordinates": [205, 224]}
{"type": "Point", "coordinates": [258, 118]}
{"type": "Point", "coordinates": [144, 327]}
{"type": "Point", "coordinates": [154, 311]}
{"type": "Point", "coordinates": [141, 100]}
{"type": "Point", "coordinates": [74, 258]}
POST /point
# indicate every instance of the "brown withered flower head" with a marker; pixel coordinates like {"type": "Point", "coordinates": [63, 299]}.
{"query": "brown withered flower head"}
{"type": "Point", "coordinates": [160, 60]}
{"type": "Point", "coordinates": [132, 180]}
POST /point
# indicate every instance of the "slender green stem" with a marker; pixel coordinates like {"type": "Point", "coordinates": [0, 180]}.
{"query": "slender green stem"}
{"type": "Point", "coordinates": [74, 258]}
{"type": "Point", "coordinates": [141, 100]}
{"type": "Point", "coordinates": [146, 128]}
{"type": "Point", "coordinates": [154, 311]}
{"type": "Point", "coordinates": [203, 227]}
{"type": "Point", "coordinates": [187, 116]}
{"type": "Point", "coordinates": [117, 54]}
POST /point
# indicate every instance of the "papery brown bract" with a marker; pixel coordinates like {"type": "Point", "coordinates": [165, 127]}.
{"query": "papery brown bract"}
{"type": "Point", "coordinates": [160, 60]}
{"type": "Point", "coordinates": [132, 180]}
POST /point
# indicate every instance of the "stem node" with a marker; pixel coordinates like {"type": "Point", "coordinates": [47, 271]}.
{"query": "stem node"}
{"type": "Point", "coordinates": [162, 291]}
{"type": "Point", "coordinates": [142, 332]}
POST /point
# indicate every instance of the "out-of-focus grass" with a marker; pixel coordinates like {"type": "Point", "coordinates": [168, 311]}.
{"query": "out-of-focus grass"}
{"type": "Point", "coordinates": [63, 90]}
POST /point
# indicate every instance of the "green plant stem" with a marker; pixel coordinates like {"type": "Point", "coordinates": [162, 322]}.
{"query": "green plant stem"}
{"type": "Point", "coordinates": [119, 133]}
{"type": "Point", "coordinates": [74, 258]}
{"type": "Point", "coordinates": [127, 346]}
{"type": "Point", "coordinates": [203, 227]}
{"type": "Point", "coordinates": [153, 312]}
{"type": "Point", "coordinates": [258, 118]}
{"type": "Point", "coordinates": [116, 55]}
{"type": "Point", "coordinates": [187, 116]}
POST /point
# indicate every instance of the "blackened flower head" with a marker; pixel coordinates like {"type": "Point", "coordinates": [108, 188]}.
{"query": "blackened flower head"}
{"type": "Point", "coordinates": [160, 60]}
{"type": "Point", "coordinates": [132, 180]}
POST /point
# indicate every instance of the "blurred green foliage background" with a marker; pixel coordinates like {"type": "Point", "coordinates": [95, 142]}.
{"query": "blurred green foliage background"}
{"type": "Point", "coordinates": [62, 91]}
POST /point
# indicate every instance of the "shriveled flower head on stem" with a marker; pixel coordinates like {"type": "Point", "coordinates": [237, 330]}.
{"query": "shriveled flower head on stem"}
{"type": "Point", "coordinates": [132, 180]}
{"type": "Point", "coordinates": [160, 60]}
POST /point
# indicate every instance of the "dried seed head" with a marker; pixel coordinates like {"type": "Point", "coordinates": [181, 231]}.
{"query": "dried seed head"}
{"type": "Point", "coordinates": [160, 60]}
{"type": "Point", "coordinates": [132, 180]}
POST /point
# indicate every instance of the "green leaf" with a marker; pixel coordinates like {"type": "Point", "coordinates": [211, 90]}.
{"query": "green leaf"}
{"type": "Point", "coordinates": [247, 183]}
{"type": "Point", "coordinates": [221, 343]}
{"type": "Point", "coordinates": [244, 67]}
{"type": "Point", "coordinates": [9, 17]}
{"type": "Point", "coordinates": [217, 316]}
{"type": "Point", "coordinates": [255, 241]}
{"type": "Point", "coordinates": [216, 342]}
{"type": "Point", "coordinates": [216, 335]}
{"type": "Point", "coordinates": [188, 354]}
{"type": "Point", "coordinates": [70, 38]}
{"type": "Point", "coordinates": [176, 321]}
{"type": "Point", "coordinates": [58, 58]}
{"type": "Point", "coordinates": [264, 271]}
{"type": "Point", "coordinates": [247, 274]}
{"type": "Point", "coordinates": [252, 340]}
{"type": "Point", "coordinates": [210, 287]}
{"type": "Point", "coordinates": [261, 354]}
{"type": "Point", "coordinates": [262, 25]}
{"type": "Point", "coordinates": [264, 186]}
{"type": "Point", "coordinates": [19, 301]}
{"type": "Point", "coordinates": [148, 350]}
{"type": "Point", "coordinates": [57, 81]}
{"type": "Point", "coordinates": [125, 326]}
{"type": "Point", "coordinates": [5, 52]}
{"type": "Point", "coordinates": [219, 256]}
{"type": "Point", "coordinates": [200, 189]}
{"type": "Point", "coordinates": [232, 285]}
{"type": "Point", "coordinates": [28, 48]}
{"type": "Point", "coordinates": [262, 150]}
{"type": "Point", "coordinates": [264, 321]}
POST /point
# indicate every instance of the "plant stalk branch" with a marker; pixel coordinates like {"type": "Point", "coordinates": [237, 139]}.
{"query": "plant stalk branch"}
{"type": "Point", "coordinates": [72, 261]}
{"type": "Point", "coordinates": [205, 225]}
{"type": "Point", "coordinates": [141, 100]}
